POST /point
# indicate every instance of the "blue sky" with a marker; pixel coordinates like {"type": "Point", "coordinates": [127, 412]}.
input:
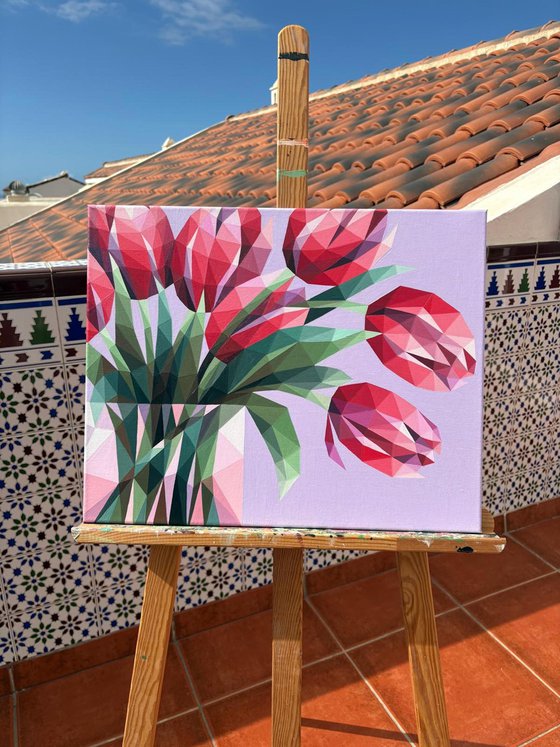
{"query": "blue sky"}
{"type": "Point", "coordinates": [84, 81]}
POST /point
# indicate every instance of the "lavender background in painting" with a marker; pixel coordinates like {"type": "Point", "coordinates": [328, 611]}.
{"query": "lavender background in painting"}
{"type": "Point", "coordinates": [447, 252]}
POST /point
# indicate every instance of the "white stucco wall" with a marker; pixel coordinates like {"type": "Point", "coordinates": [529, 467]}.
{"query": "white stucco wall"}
{"type": "Point", "coordinates": [526, 209]}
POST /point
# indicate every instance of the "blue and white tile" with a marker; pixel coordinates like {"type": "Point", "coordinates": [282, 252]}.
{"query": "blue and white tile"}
{"type": "Point", "coordinates": [29, 333]}
{"type": "Point", "coordinates": [35, 521]}
{"type": "Point", "coordinates": [119, 606]}
{"type": "Point", "coordinates": [40, 460]}
{"type": "Point", "coordinates": [207, 574]}
{"type": "Point", "coordinates": [46, 577]}
{"type": "Point", "coordinates": [76, 383]}
{"type": "Point", "coordinates": [316, 559]}
{"type": "Point", "coordinates": [72, 325]}
{"type": "Point", "coordinates": [259, 565]}
{"type": "Point", "coordinates": [7, 650]}
{"type": "Point", "coordinates": [33, 400]}
{"type": "Point", "coordinates": [47, 627]}
{"type": "Point", "coordinates": [115, 564]}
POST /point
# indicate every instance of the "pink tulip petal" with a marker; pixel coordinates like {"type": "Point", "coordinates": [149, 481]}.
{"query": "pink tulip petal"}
{"type": "Point", "coordinates": [422, 339]}
{"type": "Point", "coordinates": [329, 248]}
{"type": "Point", "coordinates": [382, 429]}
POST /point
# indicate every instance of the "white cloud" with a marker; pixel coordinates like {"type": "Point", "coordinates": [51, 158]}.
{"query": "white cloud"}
{"type": "Point", "coordinates": [78, 10]}
{"type": "Point", "coordinates": [214, 18]}
{"type": "Point", "coordinates": [15, 4]}
{"type": "Point", "coordinates": [69, 10]}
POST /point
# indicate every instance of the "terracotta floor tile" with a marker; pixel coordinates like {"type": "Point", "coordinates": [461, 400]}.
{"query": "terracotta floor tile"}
{"type": "Point", "coordinates": [491, 699]}
{"type": "Point", "coordinates": [468, 577]}
{"type": "Point", "coordinates": [75, 659]}
{"type": "Point", "coordinates": [4, 681]}
{"type": "Point", "coordinates": [543, 538]}
{"type": "Point", "coordinates": [6, 721]}
{"type": "Point", "coordinates": [222, 611]}
{"type": "Point", "coordinates": [552, 739]}
{"type": "Point", "coordinates": [532, 514]}
{"type": "Point", "coordinates": [337, 709]}
{"type": "Point", "coordinates": [369, 608]}
{"type": "Point", "coordinates": [84, 708]}
{"type": "Point", "coordinates": [526, 614]}
{"type": "Point", "coordinates": [349, 571]}
{"type": "Point", "coordinates": [182, 731]}
{"type": "Point", "coordinates": [237, 655]}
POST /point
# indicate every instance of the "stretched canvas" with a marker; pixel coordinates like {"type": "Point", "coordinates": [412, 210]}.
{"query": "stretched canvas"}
{"type": "Point", "coordinates": [286, 368]}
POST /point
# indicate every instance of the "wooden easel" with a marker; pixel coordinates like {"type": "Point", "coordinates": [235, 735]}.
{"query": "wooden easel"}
{"type": "Point", "coordinates": [288, 544]}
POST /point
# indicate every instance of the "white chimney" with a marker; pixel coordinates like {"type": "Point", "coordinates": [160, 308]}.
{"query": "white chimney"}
{"type": "Point", "coordinates": [274, 93]}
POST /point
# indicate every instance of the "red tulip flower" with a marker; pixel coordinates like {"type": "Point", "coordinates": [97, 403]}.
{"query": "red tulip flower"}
{"type": "Point", "coordinates": [382, 429]}
{"type": "Point", "coordinates": [278, 310]}
{"type": "Point", "coordinates": [100, 298]}
{"type": "Point", "coordinates": [422, 339]}
{"type": "Point", "coordinates": [329, 248]}
{"type": "Point", "coordinates": [140, 242]}
{"type": "Point", "coordinates": [215, 251]}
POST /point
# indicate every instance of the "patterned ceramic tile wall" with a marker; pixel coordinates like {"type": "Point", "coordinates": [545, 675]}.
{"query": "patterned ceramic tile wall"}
{"type": "Point", "coordinates": [522, 376]}
{"type": "Point", "coordinates": [54, 593]}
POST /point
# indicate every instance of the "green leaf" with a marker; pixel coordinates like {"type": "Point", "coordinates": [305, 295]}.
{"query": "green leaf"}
{"type": "Point", "coordinates": [205, 459]}
{"type": "Point", "coordinates": [185, 355]}
{"type": "Point", "coordinates": [248, 309]}
{"type": "Point", "coordinates": [307, 378]}
{"type": "Point", "coordinates": [337, 296]}
{"type": "Point", "coordinates": [275, 426]}
{"type": "Point", "coordinates": [283, 351]}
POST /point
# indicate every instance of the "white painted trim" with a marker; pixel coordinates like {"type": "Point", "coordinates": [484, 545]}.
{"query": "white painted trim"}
{"type": "Point", "coordinates": [519, 190]}
{"type": "Point", "coordinates": [525, 209]}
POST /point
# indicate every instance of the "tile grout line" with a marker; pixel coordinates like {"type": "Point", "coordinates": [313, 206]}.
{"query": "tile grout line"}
{"type": "Point", "coordinates": [369, 686]}
{"type": "Point", "coordinates": [391, 632]}
{"type": "Point", "coordinates": [194, 691]}
{"type": "Point", "coordinates": [532, 740]}
{"type": "Point", "coordinates": [552, 572]}
{"type": "Point", "coordinates": [160, 721]}
{"type": "Point", "coordinates": [532, 551]}
{"type": "Point", "coordinates": [503, 645]}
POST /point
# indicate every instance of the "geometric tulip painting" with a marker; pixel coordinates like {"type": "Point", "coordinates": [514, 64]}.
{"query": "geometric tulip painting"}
{"type": "Point", "coordinates": [285, 367]}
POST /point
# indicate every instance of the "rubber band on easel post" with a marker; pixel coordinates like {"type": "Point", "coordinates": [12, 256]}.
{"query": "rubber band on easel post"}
{"type": "Point", "coordinates": [297, 174]}
{"type": "Point", "coordinates": [292, 141]}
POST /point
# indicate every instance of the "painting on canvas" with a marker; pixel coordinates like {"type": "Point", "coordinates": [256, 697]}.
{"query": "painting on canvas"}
{"type": "Point", "coordinates": [286, 368]}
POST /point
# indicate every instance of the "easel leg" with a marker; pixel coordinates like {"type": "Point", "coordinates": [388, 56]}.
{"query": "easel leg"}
{"type": "Point", "coordinates": [151, 648]}
{"type": "Point", "coordinates": [423, 650]}
{"type": "Point", "coordinates": [287, 617]}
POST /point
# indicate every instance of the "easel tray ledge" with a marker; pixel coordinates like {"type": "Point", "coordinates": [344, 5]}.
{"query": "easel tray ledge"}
{"type": "Point", "coordinates": [486, 542]}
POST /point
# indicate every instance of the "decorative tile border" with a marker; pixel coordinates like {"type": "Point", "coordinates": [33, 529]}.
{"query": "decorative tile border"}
{"type": "Point", "coordinates": [53, 595]}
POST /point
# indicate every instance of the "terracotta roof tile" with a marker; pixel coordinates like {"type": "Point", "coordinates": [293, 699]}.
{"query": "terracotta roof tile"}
{"type": "Point", "coordinates": [533, 93]}
{"type": "Point", "coordinates": [423, 136]}
{"type": "Point", "coordinates": [549, 116]}
{"type": "Point", "coordinates": [491, 118]}
{"type": "Point", "coordinates": [393, 179]}
{"type": "Point", "coordinates": [494, 141]}
{"type": "Point", "coordinates": [534, 144]}
{"type": "Point", "coordinates": [413, 190]}
{"type": "Point", "coordinates": [451, 190]}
